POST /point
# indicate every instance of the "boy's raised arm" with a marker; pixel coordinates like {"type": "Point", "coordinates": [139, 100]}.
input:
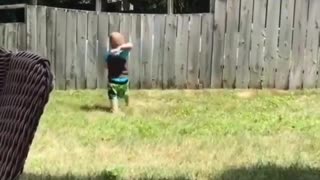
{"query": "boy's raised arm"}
{"type": "Point", "coordinates": [126, 47]}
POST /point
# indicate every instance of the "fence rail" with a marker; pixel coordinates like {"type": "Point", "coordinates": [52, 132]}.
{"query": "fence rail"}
{"type": "Point", "coordinates": [244, 44]}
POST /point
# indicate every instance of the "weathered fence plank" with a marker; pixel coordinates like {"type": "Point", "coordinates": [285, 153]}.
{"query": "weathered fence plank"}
{"type": "Point", "coordinates": [181, 56]}
{"type": "Point", "coordinates": [125, 28]}
{"type": "Point", "coordinates": [310, 67]}
{"type": "Point", "coordinates": [11, 37]}
{"type": "Point", "coordinates": [318, 80]}
{"type": "Point", "coordinates": [206, 50]}
{"type": "Point", "coordinates": [103, 37]}
{"type": "Point", "coordinates": [158, 46]}
{"type": "Point", "coordinates": [242, 73]}
{"type": "Point", "coordinates": [80, 68]}
{"type": "Point", "coordinates": [71, 53]}
{"type": "Point", "coordinates": [135, 56]}
{"type": "Point", "coordinates": [2, 35]}
{"type": "Point", "coordinates": [318, 59]}
{"type": "Point", "coordinates": [41, 31]}
{"type": "Point", "coordinates": [125, 25]}
{"type": "Point", "coordinates": [51, 38]}
{"type": "Point", "coordinates": [31, 28]}
{"type": "Point", "coordinates": [22, 41]}
{"type": "Point", "coordinates": [61, 49]}
{"type": "Point", "coordinates": [91, 61]}
{"type": "Point", "coordinates": [5, 35]}
{"type": "Point", "coordinates": [229, 70]}
{"type": "Point", "coordinates": [258, 33]}
{"type": "Point", "coordinates": [298, 44]}
{"type": "Point", "coordinates": [146, 58]}
{"type": "Point", "coordinates": [193, 52]}
{"type": "Point", "coordinates": [271, 54]}
{"type": "Point", "coordinates": [285, 40]}
{"type": "Point", "coordinates": [169, 52]}
{"type": "Point", "coordinates": [114, 22]}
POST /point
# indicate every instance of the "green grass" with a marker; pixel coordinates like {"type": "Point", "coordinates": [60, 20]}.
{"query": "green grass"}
{"type": "Point", "coordinates": [219, 135]}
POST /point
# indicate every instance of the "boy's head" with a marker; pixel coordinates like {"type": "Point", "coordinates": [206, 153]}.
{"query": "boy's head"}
{"type": "Point", "coordinates": [116, 40]}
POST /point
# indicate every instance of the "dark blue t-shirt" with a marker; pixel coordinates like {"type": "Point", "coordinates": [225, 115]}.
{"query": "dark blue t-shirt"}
{"type": "Point", "coordinates": [124, 55]}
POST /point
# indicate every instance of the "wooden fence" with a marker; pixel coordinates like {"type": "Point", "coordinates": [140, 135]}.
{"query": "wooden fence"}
{"type": "Point", "coordinates": [244, 44]}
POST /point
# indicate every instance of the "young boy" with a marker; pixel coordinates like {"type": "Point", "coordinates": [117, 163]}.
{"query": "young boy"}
{"type": "Point", "coordinates": [117, 64]}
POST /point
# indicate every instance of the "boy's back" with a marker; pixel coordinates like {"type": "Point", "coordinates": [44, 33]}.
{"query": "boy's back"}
{"type": "Point", "coordinates": [117, 66]}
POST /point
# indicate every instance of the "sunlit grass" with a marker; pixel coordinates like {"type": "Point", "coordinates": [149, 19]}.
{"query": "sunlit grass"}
{"type": "Point", "coordinates": [179, 135]}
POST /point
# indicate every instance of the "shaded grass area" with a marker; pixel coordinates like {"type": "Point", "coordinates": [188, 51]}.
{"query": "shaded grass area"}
{"type": "Point", "coordinates": [219, 135]}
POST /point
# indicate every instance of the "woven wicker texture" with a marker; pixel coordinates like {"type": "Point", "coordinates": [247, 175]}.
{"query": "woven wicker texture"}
{"type": "Point", "coordinates": [25, 86]}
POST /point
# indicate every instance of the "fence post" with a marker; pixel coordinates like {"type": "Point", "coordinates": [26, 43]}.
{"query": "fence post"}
{"type": "Point", "coordinates": [212, 3]}
{"type": "Point", "coordinates": [170, 6]}
{"type": "Point", "coordinates": [98, 5]}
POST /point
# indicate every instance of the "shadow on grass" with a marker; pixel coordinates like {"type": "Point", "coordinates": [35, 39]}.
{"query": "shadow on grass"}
{"type": "Point", "coordinates": [269, 172]}
{"type": "Point", "coordinates": [102, 176]}
{"type": "Point", "coordinates": [96, 107]}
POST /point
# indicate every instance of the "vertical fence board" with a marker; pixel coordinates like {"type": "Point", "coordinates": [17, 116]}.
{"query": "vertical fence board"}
{"type": "Point", "coordinates": [206, 50]}
{"type": "Point", "coordinates": [114, 22]}
{"type": "Point", "coordinates": [21, 41]}
{"type": "Point", "coordinates": [91, 63]}
{"type": "Point", "coordinates": [158, 49]}
{"type": "Point", "coordinates": [2, 35]}
{"type": "Point", "coordinates": [11, 37]}
{"type": "Point", "coordinates": [32, 28]}
{"type": "Point", "coordinates": [229, 71]}
{"type": "Point", "coordinates": [318, 58]}
{"type": "Point", "coordinates": [243, 74]}
{"type": "Point", "coordinates": [271, 54]}
{"type": "Point", "coordinates": [298, 44]}
{"type": "Point", "coordinates": [135, 56]}
{"type": "Point", "coordinates": [41, 31]}
{"type": "Point", "coordinates": [311, 62]}
{"type": "Point", "coordinates": [169, 52]}
{"type": "Point", "coordinates": [125, 29]}
{"type": "Point", "coordinates": [218, 44]}
{"type": "Point", "coordinates": [5, 35]}
{"type": "Point", "coordinates": [318, 80]}
{"type": "Point", "coordinates": [4, 38]}
{"type": "Point", "coordinates": [125, 25]}
{"type": "Point", "coordinates": [51, 38]}
{"type": "Point", "coordinates": [80, 68]}
{"type": "Point", "coordinates": [71, 53]}
{"type": "Point", "coordinates": [212, 4]}
{"type": "Point", "coordinates": [181, 56]}
{"type": "Point", "coordinates": [193, 51]}
{"type": "Point", "coordinates": [61, 49]}
{"type": "Point", "coordinates": [285, 39]}
{"type": "Point", "coordinates": [103, 37]}
{"type": "Point", "coordinates": [146, 59]}
{"type": "Point", "coordinates": [256, 59]}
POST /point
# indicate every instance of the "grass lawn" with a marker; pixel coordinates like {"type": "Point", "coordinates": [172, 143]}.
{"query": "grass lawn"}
{"type": "Point", "coordinates": [218, 135]}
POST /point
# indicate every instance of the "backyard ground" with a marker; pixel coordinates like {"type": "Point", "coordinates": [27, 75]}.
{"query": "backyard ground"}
{"type": "Point", "coordinates": [218, 135]}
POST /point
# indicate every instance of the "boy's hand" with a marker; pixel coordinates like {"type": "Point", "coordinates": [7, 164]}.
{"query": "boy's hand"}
{"type": "Point", "coordinates": [116, 51]}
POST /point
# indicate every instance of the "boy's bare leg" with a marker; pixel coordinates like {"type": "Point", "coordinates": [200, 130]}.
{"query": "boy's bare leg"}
{"type": "Point", "coordinates": [126, 99]}
{"type": "Point", "coordinates": [114, 105]}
